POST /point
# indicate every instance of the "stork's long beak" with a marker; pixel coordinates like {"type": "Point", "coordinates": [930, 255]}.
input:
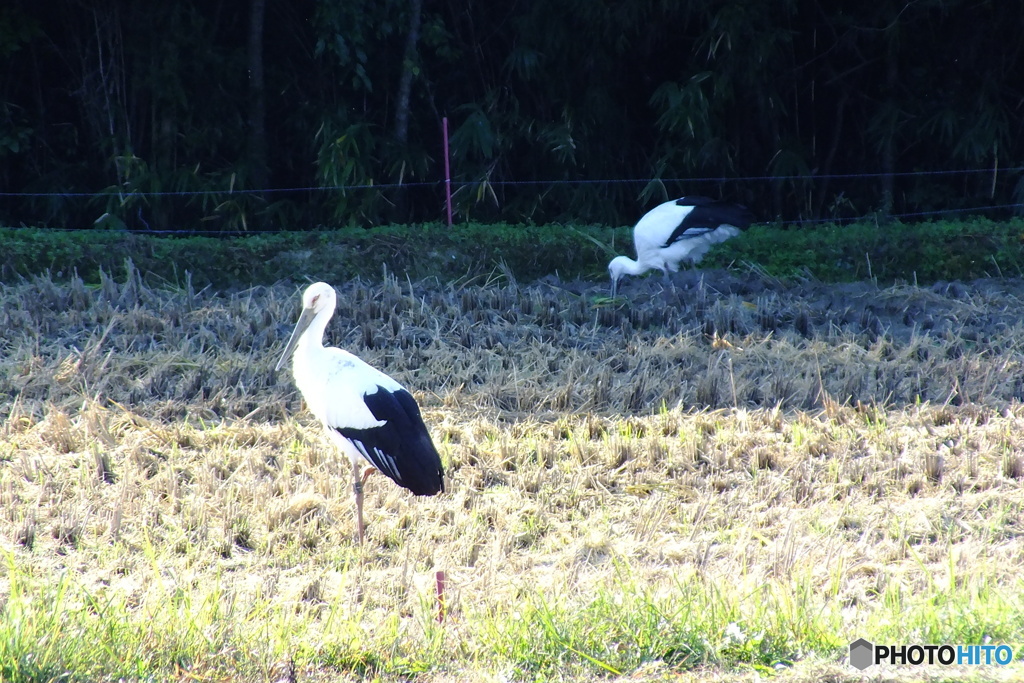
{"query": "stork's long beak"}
{"type": "Point", "coordinates": [304, 320]}
{"type": "Point", "coordinates": [615, 287]}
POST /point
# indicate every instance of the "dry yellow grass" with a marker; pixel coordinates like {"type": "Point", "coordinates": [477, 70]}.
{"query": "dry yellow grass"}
{"type": "Point", "coordinates": [151, 459]}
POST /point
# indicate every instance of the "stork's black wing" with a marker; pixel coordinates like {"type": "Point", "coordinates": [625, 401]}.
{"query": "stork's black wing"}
{"type": "Point", "coordinates": [400, 448]}
{"type": "Point", "coordinates": [707, 215]}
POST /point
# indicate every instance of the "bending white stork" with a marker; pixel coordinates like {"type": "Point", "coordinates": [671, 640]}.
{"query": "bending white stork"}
{"type": "Point", "coordinates": [683, 229]}
{"type": "Point", "coordinates": [366, 414]}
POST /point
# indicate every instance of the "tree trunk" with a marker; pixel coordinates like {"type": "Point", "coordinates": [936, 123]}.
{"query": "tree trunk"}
{"type": "Point", "coordinates": [257, 97]}
{"type": "Point", "coordinates": [826, 169]}
{"type": "Point", "coordinates": [401, 199]}
{"type": "Point", "coordinates": [408, 67]}
{"type": "Point", "coordinates": [888, 144]}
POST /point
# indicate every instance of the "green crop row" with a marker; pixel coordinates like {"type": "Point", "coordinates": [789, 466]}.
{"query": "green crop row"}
{"type": "Point", "coordinates": [922, 252]}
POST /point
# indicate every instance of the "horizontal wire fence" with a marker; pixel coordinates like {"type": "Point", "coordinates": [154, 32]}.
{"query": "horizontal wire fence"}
{"type": "Point", "coordinates": [436, 189]}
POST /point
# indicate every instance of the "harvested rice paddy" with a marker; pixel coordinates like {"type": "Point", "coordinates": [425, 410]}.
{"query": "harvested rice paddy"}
{"type": "Point", "coordinates": [725, 478]}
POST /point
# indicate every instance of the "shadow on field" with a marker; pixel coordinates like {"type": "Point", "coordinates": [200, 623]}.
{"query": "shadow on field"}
{"type": "Point", "coordinates": [709, 339]}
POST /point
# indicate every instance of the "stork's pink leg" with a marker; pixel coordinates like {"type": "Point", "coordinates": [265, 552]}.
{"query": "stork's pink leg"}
{"type": "Point", "coordinates": [358, 480]}
{"type": "Point", "coordinates": [357, 488]}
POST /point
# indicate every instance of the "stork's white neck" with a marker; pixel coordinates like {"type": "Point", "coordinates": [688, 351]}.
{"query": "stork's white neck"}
{"type": "Point", "coordinates": [631, 267]}
{"type": "Point", "coordinates": [313, 338]}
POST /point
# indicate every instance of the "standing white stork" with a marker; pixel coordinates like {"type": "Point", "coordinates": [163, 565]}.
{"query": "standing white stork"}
{"type": "Point", "coordinates": [682, 229]}
{"type": "Point", "coordinates": [367, 414]}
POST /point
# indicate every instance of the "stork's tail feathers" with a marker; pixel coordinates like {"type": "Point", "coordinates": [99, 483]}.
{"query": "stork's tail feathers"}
{"type": "Point", "coordinates": [732, 214]}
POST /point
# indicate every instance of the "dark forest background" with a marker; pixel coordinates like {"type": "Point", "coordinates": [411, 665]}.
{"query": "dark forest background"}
{"type": "Point", "coordinates": [205, 115]}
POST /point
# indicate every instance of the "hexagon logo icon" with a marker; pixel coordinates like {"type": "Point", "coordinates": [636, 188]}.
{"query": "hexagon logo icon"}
{"type": "Point", "coordinates": [862, 654]}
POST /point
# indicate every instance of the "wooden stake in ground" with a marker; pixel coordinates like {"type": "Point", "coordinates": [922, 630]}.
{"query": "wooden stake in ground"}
{"type": "Point", "coordinates": [440, 579]}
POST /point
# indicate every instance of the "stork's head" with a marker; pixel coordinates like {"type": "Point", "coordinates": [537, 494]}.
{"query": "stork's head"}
{"type": "Point", "coordinates": [319, 296]}
{"type": "Point", "coordinates": [318, 302]}
{"type": "Point", "coordinates": [619, 266]}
